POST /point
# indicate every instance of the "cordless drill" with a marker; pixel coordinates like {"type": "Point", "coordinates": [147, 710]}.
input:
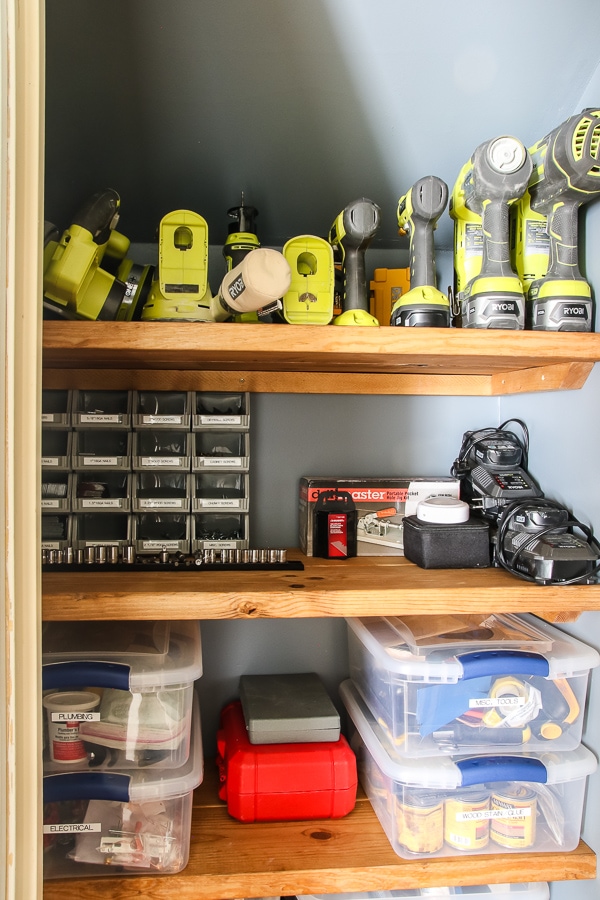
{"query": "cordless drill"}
{"type": "Point", "coordinates": [418, 214]}
{"type": "Point", "coordinates": [350, 235]}
{"type": "Point", "coordinates": [77, 282]}
{"type": "Point", "coordinates": [489, 290]}
{"type": "Point", "coordinates": [565, 176]}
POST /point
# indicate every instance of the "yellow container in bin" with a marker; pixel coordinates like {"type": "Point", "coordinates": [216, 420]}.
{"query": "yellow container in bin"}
{"type": "Point", "coordinates": [538, 890]}
{"type": "Point", "coordinates": [463, 805]}
{"type": "Point", "coordinates": [121, 823]}
{"type": "Point", "coordinates": [144, 674]}
{"type": "Point", "coordinates": [454, 684]}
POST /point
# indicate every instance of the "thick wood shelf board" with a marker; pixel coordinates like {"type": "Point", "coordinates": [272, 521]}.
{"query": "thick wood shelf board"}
{"type": "Point", "coordinates": [482, 362]}
{"type": "Point", "coordinates": [229, 860]}
{"type": "Point", "coordinates": [355, 587]}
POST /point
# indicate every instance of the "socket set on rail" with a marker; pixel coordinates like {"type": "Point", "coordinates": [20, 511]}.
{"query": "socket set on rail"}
{"type": "Point", "coordinates": [103, 557]}
{"type": "Point", "coordinates": [161, 471]}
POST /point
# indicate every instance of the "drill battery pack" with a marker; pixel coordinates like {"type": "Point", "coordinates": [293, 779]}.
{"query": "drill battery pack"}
{"type": "Point", "coordinates": [387, 286]}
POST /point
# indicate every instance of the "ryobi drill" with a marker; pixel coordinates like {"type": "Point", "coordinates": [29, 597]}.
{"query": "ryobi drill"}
{"type": "Point", "coordinates": [565, 175]}
{"type": "Point", "coordinates": [418, 214]}
{"type": "Point", "coordinates": [350, 235]}
{"type": "Point", "coordinates": [490, 292]}
{"type": "Point", "coordinates": [77, 282]}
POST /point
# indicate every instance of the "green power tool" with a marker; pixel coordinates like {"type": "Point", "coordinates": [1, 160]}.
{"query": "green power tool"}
{"type": "Point", "coordinates": [180, 289]}
{"type": "Point", "coordinates": [350, 235]}
{"type": "Point", "coordinates": [418, 214]}
{"type": "Point", "coordinates": [241, 237]}
{"type": "Point", "coordinates": [488, 289]}
{"type": "Point", "coordinates": [566, 175]}
{"type": "Point", "coordinates": [77, 282]}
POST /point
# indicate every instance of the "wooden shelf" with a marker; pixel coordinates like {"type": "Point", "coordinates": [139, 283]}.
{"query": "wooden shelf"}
{"type": "Point", "coordinates": [229, 859]}
{"type": "Point", "coordinates": [314, 359]}
{"type": "Point", "coordinates": [355, 587]}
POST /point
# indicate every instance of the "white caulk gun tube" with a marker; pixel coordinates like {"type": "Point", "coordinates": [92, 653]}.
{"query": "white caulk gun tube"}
{"type": "Point", "coordinates": [262, 277]}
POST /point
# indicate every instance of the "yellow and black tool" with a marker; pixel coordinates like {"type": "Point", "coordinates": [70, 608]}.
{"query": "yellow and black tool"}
{"type": "Point", "coordinates": [487, 287]}
{"type": "Point", "coordinates": [418, 213]}
{"type": "Point", "coordinates": [180, 289]}
{"type": "Point", "coordinates": [350, 235]}
{"type": "Point", "coordinates": [77, 283]}
{"type": "Point", "coordinates": [309, 299]}
{"type": "Point", "coordinates": [241, 236]}
{"type": "Point", "coordinates": [565, 176]}
{"type": "Point", "coordinates": [258, 282]}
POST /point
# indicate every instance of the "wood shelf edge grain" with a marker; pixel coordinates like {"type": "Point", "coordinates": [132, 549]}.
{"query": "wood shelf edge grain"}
{"type": "Point", "coordinates": [355, 587]}
{"type": "Point", "coordinates": [314, 359]}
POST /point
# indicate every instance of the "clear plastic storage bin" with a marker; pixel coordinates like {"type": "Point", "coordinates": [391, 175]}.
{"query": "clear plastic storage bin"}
{"type": "Point", "coordinates": [449, 684]}
{"type": "Point", "coordinates": [537, 890]}
{"type": "Point", "coordinates": [466, 805]}
{"type": "Point", "coordinates": [134, 823]}
{"type": "Point", "coordinates": [143, 674]}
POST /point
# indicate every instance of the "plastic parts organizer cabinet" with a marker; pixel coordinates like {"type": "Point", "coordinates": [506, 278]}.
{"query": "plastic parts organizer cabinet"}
{"type": "Point", "coordinates": [463, 805]}
{"type": "Point", "coordinates": [317, 360]}
{"type": "Point", "coordinates": [143, 674]}
{"type": "Point", "coordinates": [487, 683]}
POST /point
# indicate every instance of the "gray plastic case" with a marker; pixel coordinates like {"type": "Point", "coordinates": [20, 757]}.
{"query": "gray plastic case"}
{"type": "Point", "coordinates": [292, 708]}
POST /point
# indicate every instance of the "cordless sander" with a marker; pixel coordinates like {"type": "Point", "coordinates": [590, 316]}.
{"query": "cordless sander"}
{"type": "Point", "coordinates": [87, 274]}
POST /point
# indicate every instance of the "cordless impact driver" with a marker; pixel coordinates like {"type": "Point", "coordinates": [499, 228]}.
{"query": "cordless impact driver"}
{"type": "Point", "coordinates": [488, 289]}
{"type": "Point", "coordinates": [418, 214]}
{"type": "Point", "coordinates": [565, 176]}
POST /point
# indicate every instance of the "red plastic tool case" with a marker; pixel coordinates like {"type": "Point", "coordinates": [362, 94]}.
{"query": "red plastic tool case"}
{"type": "Point", "coordinates": [277, 782]}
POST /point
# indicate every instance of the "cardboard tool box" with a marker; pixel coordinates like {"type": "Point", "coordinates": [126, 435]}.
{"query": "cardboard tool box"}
{"type": "Point", "coordinates": [282, 782]}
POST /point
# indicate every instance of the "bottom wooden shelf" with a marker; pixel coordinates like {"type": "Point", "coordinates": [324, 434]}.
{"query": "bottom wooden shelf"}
{"type": "Point", "coordinates": [233, 860]}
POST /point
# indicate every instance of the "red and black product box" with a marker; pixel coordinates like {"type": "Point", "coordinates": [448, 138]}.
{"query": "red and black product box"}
{"type": "Point", "coordinates": [380, 504]}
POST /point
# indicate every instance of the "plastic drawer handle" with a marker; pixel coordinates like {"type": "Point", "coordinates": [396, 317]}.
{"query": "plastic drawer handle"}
{"type": "Point", "coordinates": [478, 769]}
{"type": "Point", "coordinates": [79, 674]}
{"type": "Point", "coordinates": [86, 786]}
{"type": "Point", "coordinates": [503, 662]}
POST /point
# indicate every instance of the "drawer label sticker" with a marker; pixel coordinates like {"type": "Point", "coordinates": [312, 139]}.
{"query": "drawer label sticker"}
{"type": "Point", "coordinates": [75, 716]}
{"type": "Point", "coordinates": [490, 702]}
{"type": "Point", "coordinates": [162, 460]}
{"type": "Point", "coordinates": [72, 827]}
{"type": "Point", "coordinates": [511, 812]}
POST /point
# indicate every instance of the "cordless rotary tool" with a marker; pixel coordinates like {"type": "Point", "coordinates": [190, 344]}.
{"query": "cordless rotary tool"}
{"type": "Point", "coordinates": [566, 175]}
{"type": "Point", "coordinates": [77, 282]}
{"type": "Point", "coordinates": [350, 235]}
{"type": "Point", "coordinates": [487, 287]}
{"type": "Point", "coordinates": [418, 214]}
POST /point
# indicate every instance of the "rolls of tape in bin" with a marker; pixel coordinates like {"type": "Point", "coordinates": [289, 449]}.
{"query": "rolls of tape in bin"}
{"type": "Point", "coordinates": [443, 510]}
